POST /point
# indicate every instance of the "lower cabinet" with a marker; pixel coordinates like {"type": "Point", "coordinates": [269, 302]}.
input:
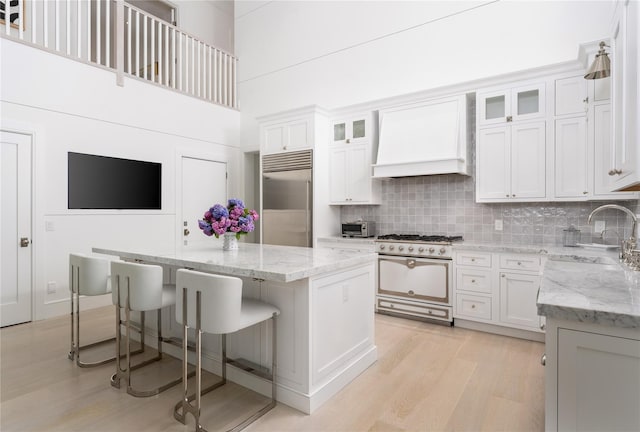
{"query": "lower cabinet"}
{"type": "Point", "coordinates": [592, 377]}
{"type": "Point", "coordinates": [518, 293]}
{"type": "Point", "coordinates": [498, 289]}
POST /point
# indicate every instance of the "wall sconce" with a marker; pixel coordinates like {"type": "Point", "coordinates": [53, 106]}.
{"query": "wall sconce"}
{"type": "Point", "coordinates": [601, 66]}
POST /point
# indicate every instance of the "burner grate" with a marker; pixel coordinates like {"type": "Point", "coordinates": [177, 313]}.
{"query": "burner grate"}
{"type": "Point", "coordinates": [418, 237]}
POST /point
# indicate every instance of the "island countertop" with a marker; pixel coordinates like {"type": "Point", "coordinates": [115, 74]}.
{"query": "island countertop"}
{"type": "Point", "coordinates": [260, 261]}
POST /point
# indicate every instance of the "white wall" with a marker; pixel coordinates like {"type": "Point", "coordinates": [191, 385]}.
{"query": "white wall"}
{"type": "Point", "coordinates": [210, 21]}
{"type": "Point", "coordinates": [71, 106]}
{"type": "Point", "coordinates": [335, 54]}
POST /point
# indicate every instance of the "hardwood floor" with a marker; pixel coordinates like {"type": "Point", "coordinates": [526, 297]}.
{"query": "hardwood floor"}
{"type": "Point", "coordinates": [427, 378]}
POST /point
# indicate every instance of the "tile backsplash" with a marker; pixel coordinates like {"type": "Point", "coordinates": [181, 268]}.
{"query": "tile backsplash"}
{"type": "Point", "coordinates": [445, 204]}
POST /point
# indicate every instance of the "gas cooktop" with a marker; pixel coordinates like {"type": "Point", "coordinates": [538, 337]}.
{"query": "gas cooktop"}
{"type": "Point", "coordinates": [420, 238]}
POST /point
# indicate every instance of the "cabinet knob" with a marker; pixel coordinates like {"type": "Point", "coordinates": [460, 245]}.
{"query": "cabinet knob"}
{"type": "Point", "coordinates": [507, 195]}
{"type": "Point", "coordinates": [514, 195]}
{"type": "Point", "coordinates": [473, 281]}
{"type": "Point", "coordinates": [411, 293]}
{"type": "Point", "coordinates": [509, 118]}
{"type": "Point", "coordinates": [586, 100]}
{"type": "Point", "coordinates": [348, 140]}
{"type": "Point", "coordinates": [585, 192]}
{"type": "Point", "coordinates": [502, 275]}
{"type": "Point", "coordinates": [473, 306]}
{"type": "Point", "coordinates": [519, 263]}
{"type": "Point", "coordinates": [473, 260]}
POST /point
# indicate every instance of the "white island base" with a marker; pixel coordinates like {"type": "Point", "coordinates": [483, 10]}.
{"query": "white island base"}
{"type": "Point", "coordinates": [325, 330]}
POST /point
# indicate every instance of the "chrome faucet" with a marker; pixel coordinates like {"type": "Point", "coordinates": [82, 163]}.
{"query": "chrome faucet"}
{"type": "Point", "coordinates": [626, 244]}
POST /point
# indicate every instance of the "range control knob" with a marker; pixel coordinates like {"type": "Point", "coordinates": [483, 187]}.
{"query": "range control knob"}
{"type": "Point", "coordinates": [431, 250]}
{"type": "Point", "coordinates": [410, 248]}
{"type": "Point", "coordinates": [391, 247]}
{"type": "Point", "coordinates": [442, 250]}
{"type": "Point", "coordinates": [381, 247]}
{"type": "Point", "coordinates": [400, 248]}
{"type": "Point", "coordinates": [420, 249]}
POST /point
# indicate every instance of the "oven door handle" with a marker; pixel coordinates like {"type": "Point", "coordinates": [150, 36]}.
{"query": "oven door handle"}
{"type": "Point", "coordinates": [411, 263]}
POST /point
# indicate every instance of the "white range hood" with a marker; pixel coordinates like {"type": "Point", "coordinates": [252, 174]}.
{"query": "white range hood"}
{"type": "Point", "coordinates": [424, 138]}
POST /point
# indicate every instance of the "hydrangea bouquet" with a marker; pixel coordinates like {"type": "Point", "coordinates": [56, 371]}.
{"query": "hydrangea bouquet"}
{"type": "Point", "coordinates": [234, 218]}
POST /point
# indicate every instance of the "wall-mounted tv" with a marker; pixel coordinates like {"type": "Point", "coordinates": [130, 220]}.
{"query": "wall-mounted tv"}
{"type": "Point", "coordinates": [102, 182]}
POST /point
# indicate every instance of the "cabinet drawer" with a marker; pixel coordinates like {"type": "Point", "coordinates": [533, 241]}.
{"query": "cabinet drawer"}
{"type": "Point", "coordinates": [520, 262]}
{"type": "Point", "coordinates": [475, 280]}
{"type": "Point", "coordinates": [414, 309]}
{"type": "Point", "coordinates": [473, 306]}
{"type": "Point", "coordinates": [477, 259]}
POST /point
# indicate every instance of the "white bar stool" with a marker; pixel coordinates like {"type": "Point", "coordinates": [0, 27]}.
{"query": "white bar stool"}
{"type": "Point", "coordinates": [138, 288]}
{"type": "Point", "coordinates": [225, 311]}
{"type": "Point", "coordinates": [88, 276]}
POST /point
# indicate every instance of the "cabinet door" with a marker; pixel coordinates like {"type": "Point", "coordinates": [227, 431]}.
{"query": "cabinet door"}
{"type": "Point", "coordinates": [598, 382]}
{"type": "Point", "coordinates": [338, 175]}
{"type": "Point", "coordinates": [571, 96]}
{"type": "Point", "coordinates": [625, 94]}
{"type": "Point", "coordinates": [528, 160]}
{"type": "Point", "coordinates": [358, 177]}
{"type": "Point", "coordinates": [299, 135]}
{"type": "Point", "coordinates": [528, 102]}
{"type": "Point", "coordinates": [493, 163]}
{"type": "Point", "coordinates": [518, 294]}
{"type": "Point", "coordinates": [355, 130]}
{"type": "Point", "coordinates": [571, 158]}
{"type": "Point", "coordinates": [493, 107]}
{"type": "Point", "coordinates": [274, 138]}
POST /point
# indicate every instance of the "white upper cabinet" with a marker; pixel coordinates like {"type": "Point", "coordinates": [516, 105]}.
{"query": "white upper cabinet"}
{"type": "Point", "coordinates": [521, 103]}
{"type": "Point", "coordinates": [528, 161]}
{"type": "Point", "coordinates": [571, 171]}
{"type": "Point", "coordinates": [351, 156]}
{"type": "Point", "coordinates": [355, 130]}
{"type": "Point", "coordinates": [626, 101]}
{"type": "Point", "coordinates": [286, 136]}
{"type": "Point", "coordinates": [571, 96]}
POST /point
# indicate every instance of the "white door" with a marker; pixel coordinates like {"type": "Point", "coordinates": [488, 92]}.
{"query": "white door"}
{"type": "Point", "coordinates": [15, 231]}
{"type": "Point", "coordinates": [204, 183]}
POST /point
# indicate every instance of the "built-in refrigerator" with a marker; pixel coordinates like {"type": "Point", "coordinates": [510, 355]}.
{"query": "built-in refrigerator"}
{"type": "Point", "coordinates": [287, 199]}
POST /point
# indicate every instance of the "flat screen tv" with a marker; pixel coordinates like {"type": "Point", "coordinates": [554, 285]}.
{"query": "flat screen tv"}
{"type": "Point", "coordinates": [102, 182]}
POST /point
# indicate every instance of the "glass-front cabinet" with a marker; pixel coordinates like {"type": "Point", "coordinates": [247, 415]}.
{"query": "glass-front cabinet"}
{"type": "Point", "coordinates": [352, 131]}
{"type": "Point", "coordinates": [511, 105]}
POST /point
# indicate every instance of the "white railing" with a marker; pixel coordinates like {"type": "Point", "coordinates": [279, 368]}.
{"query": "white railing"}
{"type": "Point", "coordinates": [118, 36]}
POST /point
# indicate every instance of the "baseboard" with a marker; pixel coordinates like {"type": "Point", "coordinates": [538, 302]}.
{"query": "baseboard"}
{"type": "Point", "coordinates": [62, 307]}
{"type": "Point", "coordinates": [500, 330]}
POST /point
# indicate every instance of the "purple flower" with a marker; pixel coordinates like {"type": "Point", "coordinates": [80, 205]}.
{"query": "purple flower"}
{"type": "Point", "coordinates": [233, 218]}
{"type": "Point", "coordinates": [234, 202]}
{"type": "Point", "coordinates": [219, 212]}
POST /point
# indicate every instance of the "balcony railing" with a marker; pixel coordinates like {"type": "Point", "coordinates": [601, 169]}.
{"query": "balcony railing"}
{"type": "Point", "coordinates": [115, 35]}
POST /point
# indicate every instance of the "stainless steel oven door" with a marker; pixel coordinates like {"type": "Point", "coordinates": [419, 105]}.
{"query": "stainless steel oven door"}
{"type": "Point", "coordinates": [415, 278]}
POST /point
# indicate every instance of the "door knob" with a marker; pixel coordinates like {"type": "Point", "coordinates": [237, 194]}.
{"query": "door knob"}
{"type": "Point", "coordinates": [24, 241]}
{"type": "Point", "coordinates": [186, 231]}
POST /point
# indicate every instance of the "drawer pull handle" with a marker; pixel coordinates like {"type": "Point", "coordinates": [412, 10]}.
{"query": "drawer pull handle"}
{"type": "Point", "coordinates": [542, 327]}
{"type": "Point", "coordinates": [519, 263]}
{"type": "Point", "coordinates": [473, 306]}
{"type": "Point", "coordinates": [411, 293]}
{"type": "Point", "coordinates": [473, 260]}
{"type": "Point", "coordinates": [473, 281]}
{"type": "Point", "coordinates": [543, 360]}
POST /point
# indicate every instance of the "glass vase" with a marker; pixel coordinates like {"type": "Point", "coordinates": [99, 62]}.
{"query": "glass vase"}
{"type": "Point", "coordinates": [230, 242]}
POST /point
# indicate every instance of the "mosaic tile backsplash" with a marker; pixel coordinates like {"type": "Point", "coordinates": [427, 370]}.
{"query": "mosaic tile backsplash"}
{"type": "Point", "coordinates": [445, 204]}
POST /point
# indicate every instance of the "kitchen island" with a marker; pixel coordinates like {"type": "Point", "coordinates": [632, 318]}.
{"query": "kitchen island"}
{"type": "Point", "coordinates": [592, 371]}
{"type": "Point", "coordinates": [326, 326]}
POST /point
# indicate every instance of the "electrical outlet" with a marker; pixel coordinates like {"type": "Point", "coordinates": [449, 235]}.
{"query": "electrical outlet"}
{"type": "Point", "coordinates": [52, 287]}
{"type": "Point", "coordinates": [49, 226]}
{"type": "Point", "coordinates": [498, 224]}
{"type": "Point", "coordinates": [598, 227]}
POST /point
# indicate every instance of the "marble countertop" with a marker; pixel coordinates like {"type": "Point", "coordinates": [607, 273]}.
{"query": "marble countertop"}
{"type": "Point", "coordinates": [268, 262]}
{"type": "Point", "coordinates": [549, 251]}
{"type": "Point", "coordinates": [349, 240]}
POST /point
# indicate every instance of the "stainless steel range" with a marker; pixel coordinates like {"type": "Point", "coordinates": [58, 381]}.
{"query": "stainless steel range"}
{"type": "Point", "coordinates": [415, 276]}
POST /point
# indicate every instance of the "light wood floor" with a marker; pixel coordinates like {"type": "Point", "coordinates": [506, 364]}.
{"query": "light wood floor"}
{"type": "Point", "coordinates": [427, 378]}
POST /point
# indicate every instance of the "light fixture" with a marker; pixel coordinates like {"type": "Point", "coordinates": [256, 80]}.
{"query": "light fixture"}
{"type": "Point", "coordinates": [601, 66]}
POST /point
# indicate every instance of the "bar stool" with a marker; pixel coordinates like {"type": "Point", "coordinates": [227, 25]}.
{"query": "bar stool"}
{"type": "Point", "coordinates": [225, 312]}
{"type": "Point", "coordinates": [88, 276]}
{"type": "Point", "coordinates": [138, 288]}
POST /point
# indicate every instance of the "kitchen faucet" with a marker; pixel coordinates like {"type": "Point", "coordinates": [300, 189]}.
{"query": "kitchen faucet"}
{"type": "Point", "coordinates": [631, 242]}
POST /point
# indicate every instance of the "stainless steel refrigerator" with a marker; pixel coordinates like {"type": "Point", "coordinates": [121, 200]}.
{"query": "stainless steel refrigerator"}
{"type": "Point", "coordinates": [287, 199]}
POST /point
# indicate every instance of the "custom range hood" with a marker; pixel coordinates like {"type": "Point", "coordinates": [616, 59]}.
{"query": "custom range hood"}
{"type": "Point", "coordinates": [424, 138]}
